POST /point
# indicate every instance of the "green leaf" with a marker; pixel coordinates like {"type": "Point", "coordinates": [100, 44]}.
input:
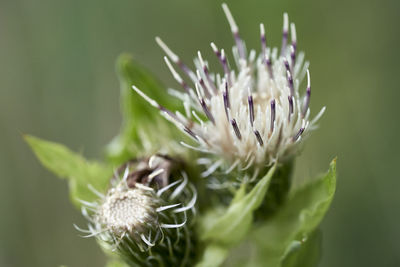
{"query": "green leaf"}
{"type": "Point", "coordinates": [231, 227]}
{"type": "Point", "coordinates": [214, 255]}
{"type": "Point", "coordinates": [140, 119]}
{"type": "Point", "coordinates": [67, 164]}
{"type": "Point", "coordinates": [240, 194]}
{"type": "Point", "coordinates": [284, 234]}
{"type": "Point", "coordinates": [307, 253]}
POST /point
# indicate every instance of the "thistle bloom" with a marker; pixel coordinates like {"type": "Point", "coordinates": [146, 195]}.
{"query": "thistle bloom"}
{"type": "Point", "coordinates": [144, 215]}
{"type": "Point", "coordinates": [251, 115]}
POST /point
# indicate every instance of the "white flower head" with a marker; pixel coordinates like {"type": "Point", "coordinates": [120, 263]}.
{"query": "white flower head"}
{"type": "Point", "coordinates": [251, 115]}
{"type": "Point", "coordinates": [143, 213]}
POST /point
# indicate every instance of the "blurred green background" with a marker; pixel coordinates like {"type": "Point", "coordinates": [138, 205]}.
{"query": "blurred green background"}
{"type": "Point", "coordinates": [57, 81]}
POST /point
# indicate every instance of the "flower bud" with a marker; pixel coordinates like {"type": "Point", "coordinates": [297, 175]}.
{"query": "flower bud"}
{"type": "Point", "coordinates": [147, 213]}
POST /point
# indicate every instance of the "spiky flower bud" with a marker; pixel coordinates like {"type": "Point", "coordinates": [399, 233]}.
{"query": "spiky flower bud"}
{"type": "Point", "coordinates": [251, 115]}
{"type": "Point", "coordinates": [147, 213]}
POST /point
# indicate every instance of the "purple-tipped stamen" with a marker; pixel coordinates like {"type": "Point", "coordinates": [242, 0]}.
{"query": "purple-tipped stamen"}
{"type": "Point", "coordinates": [263, 43]}
{"type": "Point", "coordinates": [222, 59]}
{"type": "Point", "coordinates": [176, 76]}
{"type": "Point", "coordinates": [216, 51]}
{"type": "Point", "coordinates": [235, 32]}
{"type": "Point", "coordinates": [207, 73]}
{"type": "Point", "coordinates": [169, 114]}
{"type": "Point", "coordinates": [226, 67]}
{"type": "Point", "coordinates": [269, 66]}
{"type": "Point", "coordinates": [207, 111]}
{"type": "Point", "coordinates": [185, 87]}
{"type": "Point", "coordinates": [178, 121]}
{"type": "Point", "coordinates": [285, 33]}
{"type": "Point", "coordinates": [307, 102]}
{"type": "Point", "coordinates": [225, 95]}
{"type": "Point", "coordinates": [308, 95]}
{"type": "Point", "coordinates": [185, 69]}
{"type": "Point", "coordinates": [294, 43]}
{"type": "Point", "coordinates": [263, 40]}
{"type": "Point", "coordinates": [224, 62]}
{"type": "Point", "coordinates": [190, 132]}
{"type": "Point", "coordinates": [210, 81]}
{"type": "Point", "coordinates": [203, 85]}
{"type": "Point", "coordinates": [298, 134]}
{"type": "Point", "coordinates": [239, 45]}
{"type": "Point", "coordinates": [236, 129]}
{"type": "Point", "coordinates": [287, 66]}
{"type": "Point", "coordinates": [290, 99]}
{"type": "Point", "coordinates": [176, 59]}
{"type": "Point", "coordinates": [259, 139]}
{"type": "Point", "coordinates": [272, 115]}
{"type": "Point", "coordinates": [265, 56]}
{"type": "Point", "coordinates": [293, 55]}
{"type": "Point", "coordinates": [290, 82]}
{"type": "Point", "coordinates": [251, 109]}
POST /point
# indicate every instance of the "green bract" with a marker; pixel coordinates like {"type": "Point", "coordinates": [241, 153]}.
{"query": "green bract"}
{"type": "Point", "coordinates": [72, 166]}
{"type": "Point", "coordinates": [285, 238]}
{"type": "Point", "coordinates": [137, 136]}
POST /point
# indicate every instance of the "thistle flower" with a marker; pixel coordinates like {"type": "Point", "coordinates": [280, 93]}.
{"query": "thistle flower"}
{"type": "Point", "coordinates": [251, 115]}
{"type": "Point", "coordinates": [145, 215]}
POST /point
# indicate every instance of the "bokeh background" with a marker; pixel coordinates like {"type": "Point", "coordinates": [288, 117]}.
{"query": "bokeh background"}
{"type": "Point", "coordinates": [57, 81]}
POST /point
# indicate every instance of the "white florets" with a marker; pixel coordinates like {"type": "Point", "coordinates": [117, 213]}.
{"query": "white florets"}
{"type": "Point", "coordinates": [253, 115]}
{"type": "Point", "coordinates": [128, 211]}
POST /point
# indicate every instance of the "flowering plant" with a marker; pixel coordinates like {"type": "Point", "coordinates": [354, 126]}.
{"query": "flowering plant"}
{"type": "Point", "coordinates": [213, 187]}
